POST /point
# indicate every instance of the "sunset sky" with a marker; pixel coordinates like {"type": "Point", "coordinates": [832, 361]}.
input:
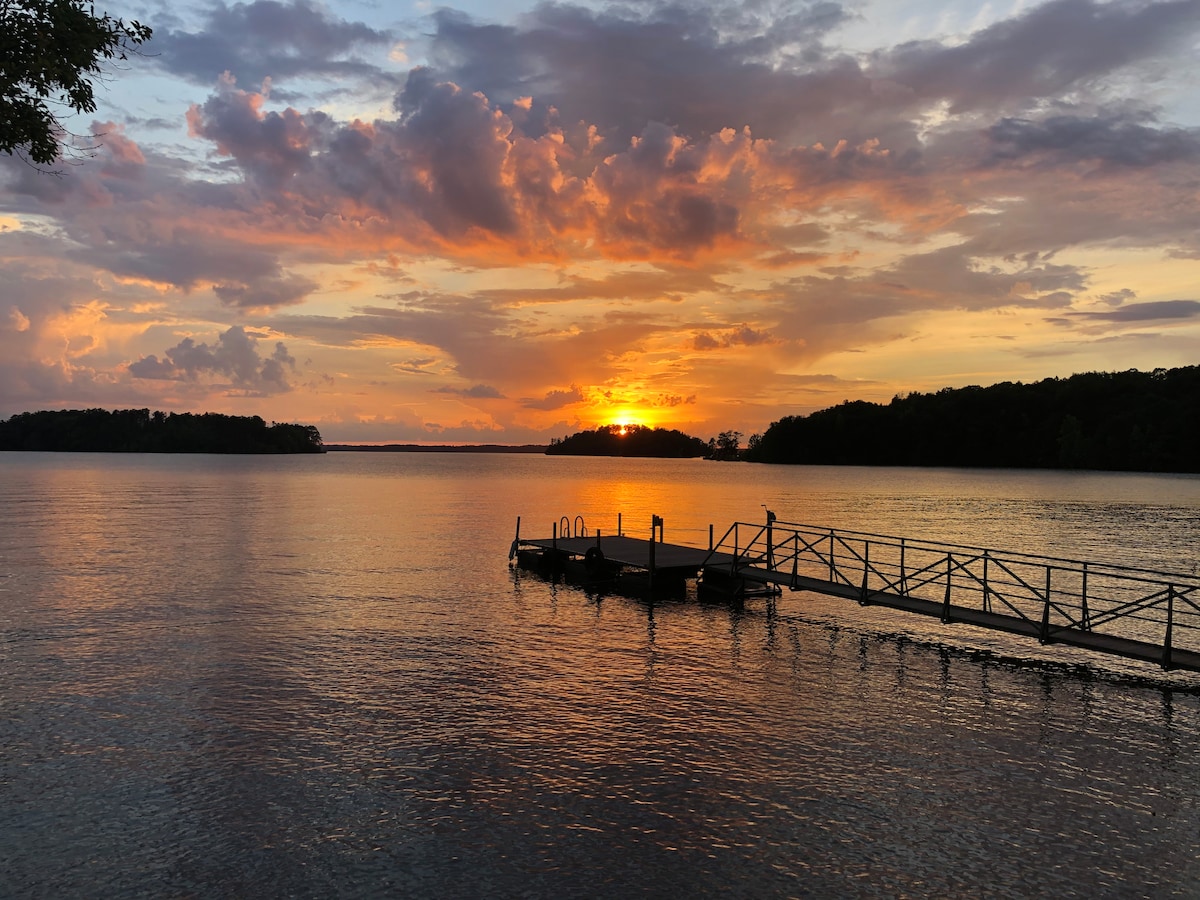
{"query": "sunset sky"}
{"type": "Point", "coordinates": [504, 222]}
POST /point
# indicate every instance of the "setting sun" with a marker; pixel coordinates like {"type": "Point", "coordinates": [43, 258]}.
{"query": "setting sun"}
{"type": "Point", "coordinates": [624, 420]}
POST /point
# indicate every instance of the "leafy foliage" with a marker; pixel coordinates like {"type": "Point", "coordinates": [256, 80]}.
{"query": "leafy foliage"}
{"type": "Point", "coordinates": [140, 431]}
{"type": "Point", "coordinates": [1132, 421]}
{"type": "Point", "coordinates": [725, 446]}
{"type": "Point", "coordinates": [51, 54]}
{"type": "Point", "coordinates": [629, 440]}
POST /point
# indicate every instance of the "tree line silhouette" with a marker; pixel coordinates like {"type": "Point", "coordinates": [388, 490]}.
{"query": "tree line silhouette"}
{"type": "Point", "coordinates": [629, 440]}
{"type": "Point", "coordinates": [1131, 421]}
{"type": "Point", "coordinates": [141, 431]}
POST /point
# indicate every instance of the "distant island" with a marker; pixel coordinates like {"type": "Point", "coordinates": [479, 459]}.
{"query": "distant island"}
{"type": "Point", "coordinates": [1119, 421]}
{"type": "Point", "coordinates": [629, 440]}
{"type": "Point", "coordinates": [141, 431]}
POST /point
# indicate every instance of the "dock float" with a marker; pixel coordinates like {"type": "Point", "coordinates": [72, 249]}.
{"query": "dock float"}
{"type": "Point", "coordinates": [1136, 613]}
{"type": "Point", "coordinates": [638, 563]}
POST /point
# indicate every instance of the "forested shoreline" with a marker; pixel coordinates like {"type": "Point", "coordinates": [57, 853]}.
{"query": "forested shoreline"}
{"type": "Point", "coordinates": [1118, 421]}
{"type": "Point", "coordinates": [141, 431]}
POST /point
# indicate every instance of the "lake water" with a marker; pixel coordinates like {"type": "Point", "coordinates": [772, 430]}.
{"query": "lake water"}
{"type": "Point", "coordinates": [317, 676]}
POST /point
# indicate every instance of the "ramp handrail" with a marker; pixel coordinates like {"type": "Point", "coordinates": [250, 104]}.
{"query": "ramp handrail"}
{"type": "Point", "coordinates": [1047, 594]}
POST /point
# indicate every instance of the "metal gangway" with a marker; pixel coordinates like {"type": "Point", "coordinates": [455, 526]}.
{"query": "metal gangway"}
{"type": "Point", "coordinates": [1136, 613]}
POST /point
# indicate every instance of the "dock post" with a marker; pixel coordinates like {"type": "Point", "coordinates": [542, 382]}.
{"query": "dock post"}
{"type": "Point", "coordinates": [619, 532]}
{"type": "Point", "coordinates": [655, 523]}
{"type": "Point", "coordinates": [864, 593]}
{"type": "Point", "coordinates": [831, 567]}
{"type": "Point", "coordinates": [512, 551]}
{"type": "Point", "coordinates": [1044, 636]}
{"type": "Point", "coordinates": [987, 597]}
{"type": "Point", "coordinates": [1085, 616]}
{"type": "Point", "coordinates": [553, 551]}
{"type": "Point", "coordinates": [946, 602]}
{"type": "Point", "coordinates": [710, 537]}
{"type": "Point", "coordinates": [1166, 654]}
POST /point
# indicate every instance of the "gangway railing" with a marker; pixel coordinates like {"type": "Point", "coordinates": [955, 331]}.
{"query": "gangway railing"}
{"type": "Point", "coordinates": [1135, 612]}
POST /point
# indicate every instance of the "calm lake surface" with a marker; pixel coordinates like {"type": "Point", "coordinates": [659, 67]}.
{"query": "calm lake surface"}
{"type": "Point", "coordinates": [318, 677]}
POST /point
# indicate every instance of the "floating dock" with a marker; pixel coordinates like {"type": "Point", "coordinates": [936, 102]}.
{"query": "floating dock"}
{"type": "Point", "coordinates": [1135, 613]}
{"type": "Point", "coordinates": [637, 564]}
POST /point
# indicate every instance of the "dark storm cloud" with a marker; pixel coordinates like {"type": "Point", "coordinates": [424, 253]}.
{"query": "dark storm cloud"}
{"type": "Point", "coordinates": [268, 39]}
{"type": "Point", "coordinates": [235, 356]}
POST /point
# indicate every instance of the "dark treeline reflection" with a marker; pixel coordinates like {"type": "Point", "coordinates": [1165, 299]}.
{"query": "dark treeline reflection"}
{"type": "Point", "coordinates": [1136, 421]}
{"type": "Point", "coordinates": [141, 431]}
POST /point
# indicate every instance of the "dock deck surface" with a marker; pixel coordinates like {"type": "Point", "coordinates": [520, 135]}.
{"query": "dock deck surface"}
{"type": "Point", "coordinates": [635, 552]}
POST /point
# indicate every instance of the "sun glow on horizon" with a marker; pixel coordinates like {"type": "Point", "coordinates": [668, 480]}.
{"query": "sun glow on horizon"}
{"type": "Point", "coordinates": [625, 419]}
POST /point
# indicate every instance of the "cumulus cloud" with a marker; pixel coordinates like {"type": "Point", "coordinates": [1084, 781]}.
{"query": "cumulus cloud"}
{"type": "Point", "coordinates": [454, 173]}
{"type": "Point", "coordinates": [234, 356]}
{"type": "Point", "coordinates": [556, 399]}
{"type": "Point", "coordinates": [268, 39]}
